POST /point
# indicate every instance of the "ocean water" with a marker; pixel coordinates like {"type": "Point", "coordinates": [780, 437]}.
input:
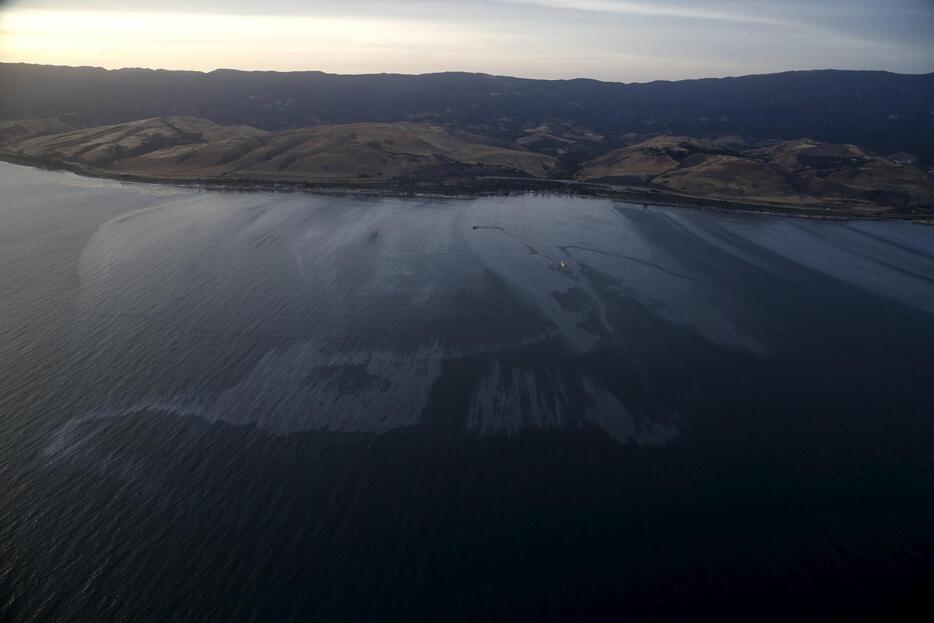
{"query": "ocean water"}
{"type": "Point", "coordinates": [286, 407]}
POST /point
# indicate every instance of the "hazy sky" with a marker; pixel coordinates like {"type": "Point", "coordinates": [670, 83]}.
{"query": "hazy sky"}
{"type": "Point", "coordinates": [624, 40]}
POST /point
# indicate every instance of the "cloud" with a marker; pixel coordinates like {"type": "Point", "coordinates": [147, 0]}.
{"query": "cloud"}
{"type": "Point", "coordinates": [652, 9]}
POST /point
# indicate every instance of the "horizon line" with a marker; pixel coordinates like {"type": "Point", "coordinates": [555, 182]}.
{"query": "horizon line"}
{"type": "Point", "coordinates": [463, 72]}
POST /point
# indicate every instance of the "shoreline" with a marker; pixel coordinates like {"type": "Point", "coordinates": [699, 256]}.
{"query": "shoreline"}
{"type": "Point", "coordinates": [490, 186]}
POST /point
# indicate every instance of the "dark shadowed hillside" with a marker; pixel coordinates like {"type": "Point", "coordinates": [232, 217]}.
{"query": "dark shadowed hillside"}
{"type": "Point", "coordinates": [885, 112]}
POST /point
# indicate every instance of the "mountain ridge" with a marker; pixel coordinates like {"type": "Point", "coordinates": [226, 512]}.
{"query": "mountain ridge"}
{"type": "Point", "coordinates": [465, 73]}
{"type": "Point", "coordinates": [884, 111]}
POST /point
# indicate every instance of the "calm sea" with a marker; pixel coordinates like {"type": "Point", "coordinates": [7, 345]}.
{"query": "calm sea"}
{"type": "Point", "coordinates": [286, 407]}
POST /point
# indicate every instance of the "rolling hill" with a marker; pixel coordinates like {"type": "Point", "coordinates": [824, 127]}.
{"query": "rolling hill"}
{"type": "Point", "coordinates": [192, 148]}
{"type": "Point", "coordinates": [800, 171]}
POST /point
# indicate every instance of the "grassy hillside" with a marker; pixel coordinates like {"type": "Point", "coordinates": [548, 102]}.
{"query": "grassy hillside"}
{"type": "Point", "coordinates": [800, 171]}
{"type": "Point", "coordinates": [187, 147]}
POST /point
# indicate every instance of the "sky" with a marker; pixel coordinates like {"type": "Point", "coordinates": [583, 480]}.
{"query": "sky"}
{"type": "Point", "coordinates": [619, 40]}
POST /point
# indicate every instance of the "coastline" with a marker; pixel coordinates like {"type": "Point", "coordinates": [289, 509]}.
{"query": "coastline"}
{"type": "Point", "coordinates": [479, 187]}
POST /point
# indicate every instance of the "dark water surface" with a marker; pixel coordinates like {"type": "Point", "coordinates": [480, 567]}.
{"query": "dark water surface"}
{"type": "Point", "coordinates": [283, 407]}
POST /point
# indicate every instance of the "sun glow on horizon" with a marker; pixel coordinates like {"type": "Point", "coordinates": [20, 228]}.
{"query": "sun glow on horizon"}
{"type": "Point", "coordinates": [197, 40]}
